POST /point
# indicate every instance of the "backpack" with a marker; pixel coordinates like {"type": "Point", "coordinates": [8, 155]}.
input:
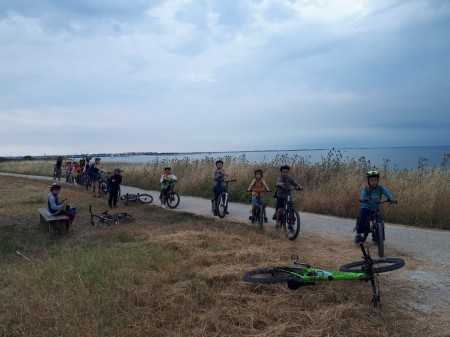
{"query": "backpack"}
{"type": "Point", "coordinates": [90, 170]}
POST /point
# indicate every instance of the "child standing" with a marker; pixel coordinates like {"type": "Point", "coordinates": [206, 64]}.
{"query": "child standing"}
{"type": "Point", "coordinates": [218, 176]}
{"type": "Point", "coordinates": [114, 187]}
{"type": "Point", "coordinates": [257, 187]}
{"type": "Point", "coordinates": [166, 181]}
{"type": "Point", "coordinates": [284, 183]}
{"type": "Point", "coordinates": [370, 195]}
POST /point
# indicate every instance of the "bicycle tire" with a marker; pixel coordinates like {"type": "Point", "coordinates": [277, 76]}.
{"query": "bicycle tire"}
{"type": "Point", "coordinates": [222, 205]}
{"type": "Point", "coordinates": [173, 200]}
{"type": "Point", "coordinates": [267, 275]}
{"type": "Point", "coordinates": [260, 216]}
{"type": "Point", "coordinates": [145, 198]}
{"type": "Point", "coordinates": [379, 237]}
{"type": "Point", "coordinates": [124, 216]}
{"type": "Point", "coordinates": [379, 265]}
{"type": "Point", "coordinates": [292, 224]}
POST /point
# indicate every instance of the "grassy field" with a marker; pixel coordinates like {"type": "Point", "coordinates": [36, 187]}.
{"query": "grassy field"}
{"type": "Point", "coordinates": [332, 186]}
{"type": "Point", "coordinates": [177, 274]}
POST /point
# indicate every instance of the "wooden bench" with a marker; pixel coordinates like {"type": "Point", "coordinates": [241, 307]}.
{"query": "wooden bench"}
{"type": "Point", "coordinates": [54, 222]}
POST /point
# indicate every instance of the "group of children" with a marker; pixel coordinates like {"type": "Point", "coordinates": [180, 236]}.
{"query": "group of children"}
{"type": "Point", "coordinates": [370, 195]}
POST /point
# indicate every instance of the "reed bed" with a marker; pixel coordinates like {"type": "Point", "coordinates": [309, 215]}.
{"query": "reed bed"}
{"type": "Point", "coordinates": [178, 274]}
{"type": "Point", "coordinates": [332, 186]}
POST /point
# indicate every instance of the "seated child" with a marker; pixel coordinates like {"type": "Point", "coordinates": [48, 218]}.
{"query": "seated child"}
{"type": "Point", "coordinates": [57, 207]}
{"type": "Point", "coordinates": [166, 181]}
{"type": "Point", "coordinates": [218, 176]}
{"type": "Point", "coordinates": [284, 183]}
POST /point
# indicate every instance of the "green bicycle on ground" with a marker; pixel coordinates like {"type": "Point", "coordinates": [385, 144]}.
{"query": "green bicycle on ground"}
{"type": "Point", "coordinates": [304, 275]}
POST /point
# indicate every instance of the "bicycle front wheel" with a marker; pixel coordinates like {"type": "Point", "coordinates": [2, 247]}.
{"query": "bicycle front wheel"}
{"type": "Point", "coordinates": [267, 275]}
{"type": "Point", "coordinates": [379, 265]}
{"type": "Point", "coordinates": [260, 216]}
{"type": "Point", "coordinates": [173, 199]}
{"type": "Point", "coordinates": [103, 188]}
{"type": "Point", "coordinates": [379, 238]}
{"type": "Point", "coordinates": [292, 224]}
{"type": "Point", "coordinates": [222, 205]}
{"type": "Point", "coordinates": [145, 198]}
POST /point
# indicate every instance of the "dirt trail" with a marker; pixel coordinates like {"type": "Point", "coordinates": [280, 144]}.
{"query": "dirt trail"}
{"type": "Point", "coordinates": [426, 252]}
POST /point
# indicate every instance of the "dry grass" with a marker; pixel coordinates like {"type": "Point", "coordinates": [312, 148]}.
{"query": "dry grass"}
{"type": "Point", "coordinates": [175, 274]}
{"type": "Point", "coordinates": [332, 186]}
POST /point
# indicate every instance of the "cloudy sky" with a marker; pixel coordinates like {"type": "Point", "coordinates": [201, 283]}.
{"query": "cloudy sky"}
{"type": "Point", "coordinates": [220, 75]}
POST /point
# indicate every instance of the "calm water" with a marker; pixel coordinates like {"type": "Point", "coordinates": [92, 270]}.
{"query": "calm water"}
{"type": "Point", "coordinates": [405, 157]}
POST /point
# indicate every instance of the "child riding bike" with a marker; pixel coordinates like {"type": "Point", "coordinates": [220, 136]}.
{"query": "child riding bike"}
{"type": "Point", "coordinates": [370, 195]}
{"type": "Point", "coordinates": [166, 181]}
{"type": "Point", "coordinates": [218, 176]}
{"type": "Point", "coordinates": [257, 187]}
{"type": "Point", "coordinates": [284, 183]}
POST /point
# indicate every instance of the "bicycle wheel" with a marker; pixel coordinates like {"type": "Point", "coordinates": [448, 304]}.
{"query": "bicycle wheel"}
{"type": "Point", "coordinates": [379, 265]}
{"type": "Point", "coordinates": [260, 216]}
{"type": "Point", "coordinates": [222, 205]}
{"type": "Point", "coordinates": [268, 275]}
{"type": "Point", "coordinates": [70, 179]}
{"type": "Point", "coordinates": [292, 224]}
{"type": "Point", "coordinates": [173, 199]}
{"type": "Point", "coordinates": [54, 174]}
{"type": "Point", "coordinates": [103, 188]}
{"type": "Point", "coordinates": [378, 236]}
{"type": "Point", "coordinates": [145, 198]}
{"type": "Point", "coordinates": [124, 217]}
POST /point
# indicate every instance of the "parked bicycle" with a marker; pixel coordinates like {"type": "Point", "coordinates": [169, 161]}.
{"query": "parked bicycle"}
{"type": "Point", "coordinates": [143, 198]}
{"type": "Point", "coordinates": [376, 227]}
{"type": "Point", "coordinates": [172, 197]}
{"type": "Point", "coordinates": [260, 216]}
{"type": "Point", "coordinates": [104, 219]}
{"type": "Point", "coordinates": [304, 275]}
{"type": "Point", "coordinates": [57, 173]}
{"type": "Point", "coordinates": [222, 200]}
{"type": "Point", "coordinates": [290, 217]}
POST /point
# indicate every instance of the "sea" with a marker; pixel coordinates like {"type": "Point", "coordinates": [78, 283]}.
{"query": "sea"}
{"type": "Point", "coordinates": [393, 157]}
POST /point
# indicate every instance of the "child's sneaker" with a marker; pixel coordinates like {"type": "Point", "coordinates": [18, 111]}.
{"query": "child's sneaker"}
{"type": "Point", "coordinates": [277, 224]}
{"type": "Point", "coordinates": [358, 239]}
{"type": "Point", "coordinates": [265, 220]}
{"type": "Point", "coordinates": [163, 206]}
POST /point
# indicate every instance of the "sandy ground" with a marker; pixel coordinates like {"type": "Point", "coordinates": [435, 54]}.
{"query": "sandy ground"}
{"type": "Point", "coordinates": [426, 252]}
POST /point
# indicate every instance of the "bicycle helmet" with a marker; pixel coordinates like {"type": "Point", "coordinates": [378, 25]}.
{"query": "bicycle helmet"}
{"type": "Point", "coordinates": [259, 171]}
{"type": "Point", "coordinates": [54, 186]}
{"type": "Point", "coordinates": [373, 173]}
{"type": "Point", "coordinates": [285, 167]}
{"type": "Point", "coordinates": [167, 168]}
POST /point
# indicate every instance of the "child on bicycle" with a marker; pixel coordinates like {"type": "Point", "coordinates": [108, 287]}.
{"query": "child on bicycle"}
{"type": "Point", "coordinates": [284, 184]}
{"type": "Point", "coordinates": [257, 187]}
{"type": "Point", "coordinates": [113, 183]}
{"type": "Point", "coordinates": [218, 176]}
{"type": "Point", "coordinates": [56, 207]}
{"type": "Point", "coordinates": [166, 181]}
{"type": "Point", "coordinates": [370, 195]}
{"type": "Point", "coordinates": [69, 169]}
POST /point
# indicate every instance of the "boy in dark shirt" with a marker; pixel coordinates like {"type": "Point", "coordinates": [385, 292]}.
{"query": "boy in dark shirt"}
{"type": "Point", "coordinates": [114, 187]}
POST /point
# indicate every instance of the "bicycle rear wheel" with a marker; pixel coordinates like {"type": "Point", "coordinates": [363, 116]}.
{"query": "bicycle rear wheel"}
{"type": "Point", "coordinates": [379, 265]}
{"type": "Point", "coordinates": [145, 198]}
{"type": "Point", "coordinates": [173, 199]}
{"type": "Point", "coordinates": [103, 188]}
{"type": "Point", "coordinates": [292, 224]}
{"type": "Point", "coordinates": [379, 237]}
{"type": "Point", "coordinates": [222, 205]}
{"type": "Point", "coordinates": [124, 217]}
{"type": "Point", "coordinates": [268, 275]}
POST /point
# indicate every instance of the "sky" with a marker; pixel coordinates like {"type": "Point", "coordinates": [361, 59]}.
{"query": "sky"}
{"type": "Point", "coordinates": [91, 76]}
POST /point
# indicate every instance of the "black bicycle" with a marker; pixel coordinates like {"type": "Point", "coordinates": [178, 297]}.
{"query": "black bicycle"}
{"type": "Point", "coordinates": [172, 197]}
{"type": "Point", "coordinates": [57, 173]}
{"type": "Point", "coordinates": [304, 275]}
{"type": "Point", "coordinates": [105, 219]}
{"type": "Point", "coordinates": [259, 216]}
{"type": "Point", "coordinates": [143, 198]}
{"type": "Point", "coordinates": [290, 217]}
{"type": "Point", "coordinates": [376, 226]}
{"type": "Point", "coordinates": [222, 201]}
{"type": "Point", "coordinates": [69, 177]}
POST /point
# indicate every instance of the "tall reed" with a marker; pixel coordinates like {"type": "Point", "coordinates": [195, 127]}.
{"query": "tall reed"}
{"type": "Point", "coordinates": [331, 186]}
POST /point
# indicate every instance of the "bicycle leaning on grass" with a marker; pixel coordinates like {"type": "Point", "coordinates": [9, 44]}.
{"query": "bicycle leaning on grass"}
{"type": "Point", "coordinates": [304, 275]}
{"type": "Point", "coordinates": [142, 198]}
{"type": "Point", "coordinates": [290, 217]}
{"type": "Point", "coordinates": [376, 226]}
{"type": "Point", "coordinates": [105, 219]}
